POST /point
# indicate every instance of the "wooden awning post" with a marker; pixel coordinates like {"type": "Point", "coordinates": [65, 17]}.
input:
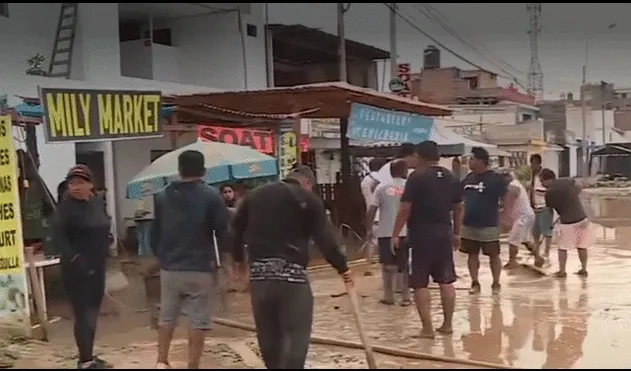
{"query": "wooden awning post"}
{"type": "Point", "coordinates": [345, 153]}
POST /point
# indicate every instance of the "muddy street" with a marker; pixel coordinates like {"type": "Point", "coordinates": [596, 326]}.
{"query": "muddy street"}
{"type": "Point", "coordinates": [536, 322]}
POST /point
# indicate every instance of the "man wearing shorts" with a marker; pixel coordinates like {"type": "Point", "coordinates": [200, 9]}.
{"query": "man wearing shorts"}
{"type": "Point", "coordinates": [563, 195]}
{"type": "Point", "coordinates": [519, 222]}
{"type": "Point", "coordinates": [483, 189]}
{"type": "Point", "coordinates": [387, 199]}
{"type": "Point", "coordinates": [368, 186]}
{"type": "Point", "coordinates": [186, 214]}
{"type": "Point", "coordinates": [543, 214]}
{"type": "Point", "coordinates": [431, 194]}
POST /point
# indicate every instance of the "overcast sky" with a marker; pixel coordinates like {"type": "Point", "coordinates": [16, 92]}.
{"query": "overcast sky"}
{"type": "Point", "coordinates": [501, 28]}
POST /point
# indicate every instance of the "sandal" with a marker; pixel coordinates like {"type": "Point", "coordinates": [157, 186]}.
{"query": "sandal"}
{"type": "Point", "coordinates": [406, 303]}
{"type": "Point", "coordinates": [386, 302]}
{"type": "Point", "coordinates": [582, 273]}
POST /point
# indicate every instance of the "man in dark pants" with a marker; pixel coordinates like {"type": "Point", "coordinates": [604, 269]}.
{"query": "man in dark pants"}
{"type": "Point", "coordinates": [483, 189]}
{"type": "Point", "coordinates": [431, 194]}
{"type": "Point", "coordinates": [277, 220]}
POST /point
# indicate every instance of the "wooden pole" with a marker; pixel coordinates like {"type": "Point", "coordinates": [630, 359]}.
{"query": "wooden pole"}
{"type": "Point", "coordinates": [36, 292]}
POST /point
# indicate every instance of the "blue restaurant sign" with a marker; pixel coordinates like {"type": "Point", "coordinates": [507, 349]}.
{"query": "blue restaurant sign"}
{"type": "Point", "coordinates": [367, 123]}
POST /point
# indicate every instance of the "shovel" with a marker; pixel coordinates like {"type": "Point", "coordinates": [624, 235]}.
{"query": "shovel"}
{"type": "Point", "coordinates": [370, 356]}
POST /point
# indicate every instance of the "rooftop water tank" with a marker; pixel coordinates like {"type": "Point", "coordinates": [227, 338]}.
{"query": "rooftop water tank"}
{"type": "Point", "coordinates": [431, 57]}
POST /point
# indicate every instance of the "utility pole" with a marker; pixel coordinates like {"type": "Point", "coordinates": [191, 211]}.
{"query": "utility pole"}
{"type": "Point", "coordinates": [584, 163]}
{"type": "Point", "coordinates": [535, 73]}
{"type": "Point", "coordinates": [603, 86]}
{"type": "Point", "coordinates": [394, 70]}
{"type": "Point", "coordinates": [340, 32]}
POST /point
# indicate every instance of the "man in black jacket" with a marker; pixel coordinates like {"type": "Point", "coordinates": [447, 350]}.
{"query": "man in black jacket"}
{"type": "Point", "coordinates": [186, 214]}
{"type": "Point", "coordinates": [277, 220]}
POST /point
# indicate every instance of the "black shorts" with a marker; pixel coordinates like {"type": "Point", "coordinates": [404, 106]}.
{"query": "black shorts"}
{"type": "Point", "coordinates": [432, 256]}
{"type": "Point", "coordinates": [474, 247]}
{"type": "Point", "coordinates": [387, 258]}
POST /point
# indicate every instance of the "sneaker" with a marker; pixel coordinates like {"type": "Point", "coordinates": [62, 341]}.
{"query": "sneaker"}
{"type": "Point", "coordinates": [496, 288]}
{"type": "Point", "coordinates": [560, 274]}
{"type": "Point", "coordinates": [89, 365]}
{"type": "Point", "coordinates": [103, 363]}
{"type": "Point", "coordinates": [475, 288]}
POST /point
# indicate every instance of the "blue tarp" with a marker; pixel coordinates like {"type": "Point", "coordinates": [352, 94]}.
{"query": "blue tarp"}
{"type": "Point", "coordinates": [36, 111]}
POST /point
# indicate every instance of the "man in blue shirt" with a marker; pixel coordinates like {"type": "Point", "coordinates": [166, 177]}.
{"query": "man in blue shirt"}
{"type": "Point", "coordinates": [483, 189]}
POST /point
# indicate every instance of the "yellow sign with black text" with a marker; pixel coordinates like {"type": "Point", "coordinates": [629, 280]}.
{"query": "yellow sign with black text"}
{"type": "Point", "coordinates": [85, 115]}
{"type": "Point", "coordinates": [13, 289]}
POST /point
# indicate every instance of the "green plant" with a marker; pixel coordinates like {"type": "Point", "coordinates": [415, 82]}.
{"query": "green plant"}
{"type": "Point", "coordinates": [36, 65]}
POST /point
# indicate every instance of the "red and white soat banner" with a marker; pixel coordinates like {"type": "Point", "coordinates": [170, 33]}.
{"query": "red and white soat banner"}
{"type": "Point", "coordinates": [262, 140]}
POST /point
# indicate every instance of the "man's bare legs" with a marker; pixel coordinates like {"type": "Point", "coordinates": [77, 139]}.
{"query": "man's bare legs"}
{"type": "Point", "coordinates": [448, 299]}
{"type": "Point", "coordinates": [495, 261]}
{"type": "Point", "coordinates": [196, 340]}
{"type": "Point", "coordinates": [473, 263]}
{"type": "Point", "coordinates": [582, 256]}
{"type": "Point", "coordinates": [423, 301]}
{"type": "Point", "coordinates": [369, 253]}
{"type": "Point", "coordinates": [165, 336]}
{"type": "Point", "coordinates": [513, 252]}
{"type": "Point", "coordinates": [562, 263]}
{"type": "Point", "coordinates": [548, 244]}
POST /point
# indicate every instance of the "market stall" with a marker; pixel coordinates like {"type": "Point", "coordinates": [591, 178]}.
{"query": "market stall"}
{"type": "Point", "coordinates": [362, 113]}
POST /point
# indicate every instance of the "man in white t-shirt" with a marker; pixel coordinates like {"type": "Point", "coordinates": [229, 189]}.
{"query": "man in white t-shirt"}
{"type": "Point", "coordinates": [543, 214]}
{"type": "Point", "coordinates": [368, 185]}
{"type": "Point", "coordinates": [394, 267]}
{"type": "Point", "coordinates": [406, 153]}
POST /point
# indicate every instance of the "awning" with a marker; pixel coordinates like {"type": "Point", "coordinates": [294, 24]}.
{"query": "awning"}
{"type": "Point", "coordinates": [613, 149]}
{"type": "Point", "coordinates": [323, 100]}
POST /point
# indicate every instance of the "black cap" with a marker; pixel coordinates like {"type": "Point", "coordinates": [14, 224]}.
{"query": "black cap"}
{"type": "Point", "coordinates": [481, 154]}
{"type": "Point", "coordinates": [303, 171]}
{"type": "Point", "coordinates": [81, 171]}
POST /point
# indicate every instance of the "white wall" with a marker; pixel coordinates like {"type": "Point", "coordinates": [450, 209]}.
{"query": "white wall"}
{"type": "Point", "coordinates": [136, 59]}
{"type": "Point", "coordinates": [211, 50]}
{"type": "Point", "coordinates": [593, 125]}
{"type": "Point", "coordinates": [499, 118]}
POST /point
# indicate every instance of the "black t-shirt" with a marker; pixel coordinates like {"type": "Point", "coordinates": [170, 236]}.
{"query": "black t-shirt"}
{"type": "Point", "coordinates": [563, 196]}
{"type": "Point", "coordinates": [432, 193]}
{"type": "Point", "coordinates": [482, 193]}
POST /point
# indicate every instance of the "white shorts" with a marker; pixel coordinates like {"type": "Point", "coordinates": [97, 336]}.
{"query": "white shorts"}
{"type": "Point", "coordinates": [575, 236]}
{"type": "Point", "coordinates": [522, 230]}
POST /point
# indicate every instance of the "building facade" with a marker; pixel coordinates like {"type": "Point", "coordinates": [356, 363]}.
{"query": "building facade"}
{"type": "Point", "coordinates": [171, 47]}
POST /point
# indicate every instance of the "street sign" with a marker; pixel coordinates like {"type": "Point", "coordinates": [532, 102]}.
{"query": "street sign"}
{"type": "Point", "coordinates": [396, 85]}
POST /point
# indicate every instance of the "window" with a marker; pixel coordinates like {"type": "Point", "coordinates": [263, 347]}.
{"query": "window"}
{"type": "Point", "coordinates": [251, 30]}
{"type": "Point", "coordinates": [4, 10]}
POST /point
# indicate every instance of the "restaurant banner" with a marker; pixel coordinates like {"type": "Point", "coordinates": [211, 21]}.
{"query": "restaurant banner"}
{"type": "Point", "coordinates": [261, 140]}
{"type": "Point", "coordinates": [14, 303]}
{"type": "Point", "coordinates": [93, 115]}
{"type": "Point", "coordinates": [367, 123]}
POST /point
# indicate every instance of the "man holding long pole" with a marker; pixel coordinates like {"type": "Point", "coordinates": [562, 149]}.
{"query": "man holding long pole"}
{"type": "Point", "coordinates": [277, 220]}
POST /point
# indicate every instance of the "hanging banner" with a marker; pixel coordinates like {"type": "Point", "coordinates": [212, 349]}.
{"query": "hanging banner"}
{"type": "Point", "coordinates": [367, 123]}
{"type": "Point", "coordinates": [91, 115]}
{"type": "Point", "coordinates": [261, 140]}
{"type": "Point", "coordinates": [404, 74]}
{"type": "Point", "coordinates": [14, 303]}
{"type": "Point", "coordinates": [287, 145]}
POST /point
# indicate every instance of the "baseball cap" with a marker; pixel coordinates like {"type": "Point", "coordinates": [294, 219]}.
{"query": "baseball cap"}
{"type": "Point", "coordinates": [82, 171]}
{"type": "Point", "coordinates": [303, 171]}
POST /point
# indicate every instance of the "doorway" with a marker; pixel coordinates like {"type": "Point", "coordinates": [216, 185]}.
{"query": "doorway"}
{"type": "Point", "coordinates": [96, 162]}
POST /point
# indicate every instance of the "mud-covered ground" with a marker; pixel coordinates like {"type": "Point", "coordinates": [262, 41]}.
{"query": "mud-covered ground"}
{"type": "Point", "coordinates": [537, 321]}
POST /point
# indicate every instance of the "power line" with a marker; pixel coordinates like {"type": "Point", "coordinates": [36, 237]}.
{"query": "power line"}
{"type": "Point", "coordinates": [449, 50]}
{"type": "Point", "coordinates": [440, 19]}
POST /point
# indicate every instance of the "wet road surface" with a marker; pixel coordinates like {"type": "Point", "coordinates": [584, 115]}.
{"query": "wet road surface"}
{"type": "Point", "coordinates": [536, 322]}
